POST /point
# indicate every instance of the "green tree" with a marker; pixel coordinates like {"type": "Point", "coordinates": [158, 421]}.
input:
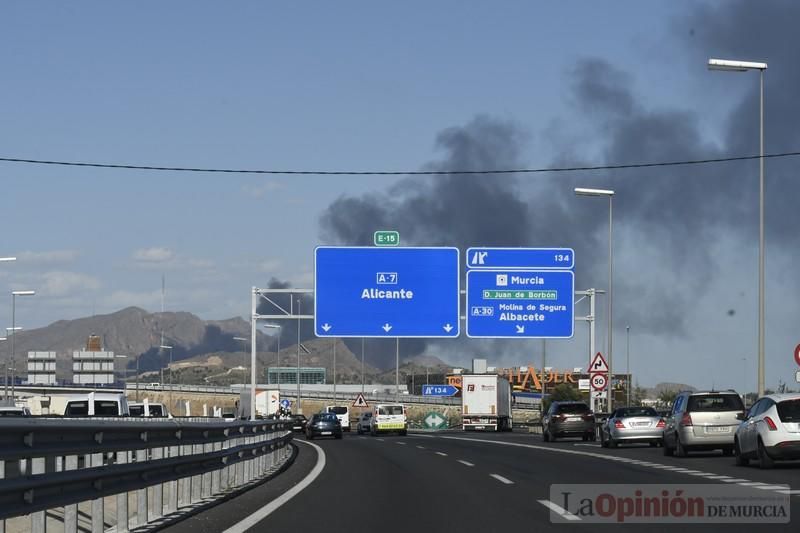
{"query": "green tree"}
{"type": "Point", "coordinates": [666, 397]}
{"type": "Point", "coordinates": [561, 393]}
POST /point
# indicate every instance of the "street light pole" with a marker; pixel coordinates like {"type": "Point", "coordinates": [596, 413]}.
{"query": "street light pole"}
{"type": "Point", "coordinates": [14, 295]}
{"type": "Point", "coordinates": [244, 345]}
{"type": "Point", "coordinates": [5, 368]}
{"type": "Point", "coordinates": [743, 66]}
{"type": "Point", "coordinates": [166, 347]}
{"type": "Point", "coordinates": [298, 410]}
{"type": "Point", "coordinates": [628, 383]}
{"type": "Point", "coordinates": [610, 195]}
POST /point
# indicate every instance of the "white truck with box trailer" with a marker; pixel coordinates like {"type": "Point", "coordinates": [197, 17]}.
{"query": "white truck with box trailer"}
{"type": "Point", "coordinates": [485, 402]}
{"type": "Point", "coordinates": [267, 403]}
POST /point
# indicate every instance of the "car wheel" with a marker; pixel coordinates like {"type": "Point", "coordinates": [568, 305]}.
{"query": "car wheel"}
{"type": "Point", "coordinates": [603, 442]}
{"type": "Point", "coordinates": [727, 452]}
{"type": "Point", "coordinates": [552, 437]}
{"type": "Point", "coordinates": [667, 450]}
{"type": "Point", "coordinates": [653, 443]}
{"type": "Point", "coordinates": [764, 460]}
{"type": "Point", "coordinates": [404, 433]}
{"type": "Point", "coordinates": [740, 459]}
{"type": "Point", "coordinates": [309, 437]}
{"type": "Point", "coordinates": [545, 435]}
{"type": "Point", "coordinates": [338, 436]}
{"type": "Point", "coordinates": [593, 437]}
{"type": "Point", "coordinates": [611, 442]}
{"type": "Point", "coordinates": [359, 431]}
{"type": "Point", "coordinates": [680, 449]}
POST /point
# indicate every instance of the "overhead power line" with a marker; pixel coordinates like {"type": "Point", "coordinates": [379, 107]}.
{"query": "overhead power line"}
{"type": "Point", "coordinates": [397, 172]}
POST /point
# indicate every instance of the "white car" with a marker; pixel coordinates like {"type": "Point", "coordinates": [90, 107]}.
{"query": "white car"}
{"type": "Point", "coordinates": [770, 431]}
{"type": "Point", "coordinates": [364, 422]}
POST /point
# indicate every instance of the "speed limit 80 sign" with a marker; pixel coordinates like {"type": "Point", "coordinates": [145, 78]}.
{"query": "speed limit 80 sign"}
{"type": "Point", "coordinates": [599, 381]}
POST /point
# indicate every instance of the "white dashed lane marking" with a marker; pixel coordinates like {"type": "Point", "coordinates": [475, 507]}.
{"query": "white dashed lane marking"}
{"type": "Point", "coordinates": [465, 463]}
{"type": "Point", "coordinates": [442, 454]}
{"type": "Point", "coordinates": [400, 443]}
{"type": "Point", "coordinates": [502, 479]}
{"type": "Point", "coordinates": [559, 510]}
{"type": "Point", "coordinates": [421, 447]}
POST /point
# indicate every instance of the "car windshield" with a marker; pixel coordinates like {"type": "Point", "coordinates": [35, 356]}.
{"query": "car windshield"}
{"type": "Point", "coordinates": [327, 417]}
{"type": "Point", "coordinates": [636, 411]}
{"type": "Point", "coordinates": [338, 410]}
{"type": "Point", "coordinates": [573, 408]}
{"type": "Point", "coordinates": [715, 402]}
{"type": "Point", "coordinates": [789, 410]}
{"type": "Point", "coordinates": [390, 410]}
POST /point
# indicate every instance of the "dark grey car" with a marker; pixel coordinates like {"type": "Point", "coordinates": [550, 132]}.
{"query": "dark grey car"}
{"type": "Point", "coordinates": [324, 425]}
{"type": "Point", "coordinates": [568, 419]}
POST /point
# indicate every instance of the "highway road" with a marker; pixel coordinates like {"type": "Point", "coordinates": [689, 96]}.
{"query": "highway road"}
{"type": "Point", "coordinates": [456, 481]}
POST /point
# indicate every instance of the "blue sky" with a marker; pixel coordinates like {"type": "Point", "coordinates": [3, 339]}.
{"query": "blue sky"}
{"type": "Point", "coordinates": [311, 86]}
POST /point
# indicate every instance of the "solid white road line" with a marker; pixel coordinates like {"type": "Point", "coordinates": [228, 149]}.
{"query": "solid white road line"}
{"type": "Point", "coordinates": [773, 487]}
{"type": "Point", "coordinates": [752, 484]}
{"type": "Point", "coordinates": [465, 463]}
{"type": "Point", "coordinates": [788, 491]}
{"type": "Point", "coordinates": [502, 479]}
{"type": "Point", "coordinates": [559, 510]}
{"type": "Point", "coordinates": [734, 480]}
{"type": "Point", "coordinates": [268, 509]}
{"type": "Point", "coordinates": [442, 454]}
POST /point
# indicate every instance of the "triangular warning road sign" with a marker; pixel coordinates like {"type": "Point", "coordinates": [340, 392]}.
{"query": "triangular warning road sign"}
{"type": "Point", "coordinates": [598, 364]}
{"type": "Point", "coordinates": [360, 401]}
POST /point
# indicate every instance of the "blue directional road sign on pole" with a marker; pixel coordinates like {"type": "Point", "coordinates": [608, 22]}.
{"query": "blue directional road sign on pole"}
{"type": "Point", "coordinates": [386, 292]}
{"type": "Point", "coordinates": [286, 403]}
{"type": "Point", "coordinates": [439, 390]}
{"type": "Point", "coordinates": [540, 258]}
{"type": "Point", "coordinates": [520, 303]}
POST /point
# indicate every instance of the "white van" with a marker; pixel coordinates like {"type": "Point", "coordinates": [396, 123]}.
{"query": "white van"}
{"type": "Point", "coordinates": [389, 417]}
{"type": "Point", "coordinates": [342, 412]}
{"type": "Point", "coordinates": [147, 409]}
{"type": "Point", "coordinates": [79, 405]}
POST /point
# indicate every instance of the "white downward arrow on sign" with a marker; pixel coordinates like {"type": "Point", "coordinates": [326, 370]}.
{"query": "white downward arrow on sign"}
{"type": "Point", "coordinates": [520, 329]}
{"type": "Point", "coordinates": [448, 328]}
{"type": "Point", "coordinates": [387, 327]}
{"type": "Point", "coordinates": [326, 327]}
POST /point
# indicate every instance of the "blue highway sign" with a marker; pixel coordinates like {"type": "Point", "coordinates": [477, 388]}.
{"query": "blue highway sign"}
{"type": "Point", "coordinates": [286, 403]}
{"type": "Point", "coordinates": [386, 292]}
{"type": "Point", "coordinates": [520, 303]}
{"type": "Point", "coordinates": [439, 390]}
{"type": "Point", "coordinates": [540, 258]}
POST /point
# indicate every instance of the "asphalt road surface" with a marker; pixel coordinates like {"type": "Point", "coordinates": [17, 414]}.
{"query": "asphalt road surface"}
{"type": "Point", "coordinates": [456, 481]}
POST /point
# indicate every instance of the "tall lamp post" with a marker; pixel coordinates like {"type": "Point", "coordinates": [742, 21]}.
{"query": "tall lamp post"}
{"type": "Point", "coordinates": [5, 368]}
{"type": "Point", "coordinates": [14, 295]}
{"type": "Point", "coordinates": [610, 195]}
{"type": "Point", "coordinates": [167, 347]}
{"type": "Point", "coordinates": [628, 365]}
{"type": "Point", "coordinates": [9, 332]}
{"type": "Point", "coordinates": [744, 66]}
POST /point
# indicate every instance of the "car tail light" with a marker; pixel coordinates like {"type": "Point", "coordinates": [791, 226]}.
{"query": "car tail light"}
{"type": "Point", "coordinates": [618, 424]}
{"type": "Point", "coordinates": [687, 420]}
{"type": "Point", "coordinates": [770, 424]}
{"type": "Point", "coordinates": [561, 417]}
{"type": "Point", "coordinates": [661, 423]}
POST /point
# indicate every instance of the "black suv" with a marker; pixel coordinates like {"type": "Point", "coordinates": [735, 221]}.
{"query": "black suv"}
{"type": "Point", "coordinates": [568, 419]}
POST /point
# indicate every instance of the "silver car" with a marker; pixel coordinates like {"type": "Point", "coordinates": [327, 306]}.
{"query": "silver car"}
{"type": "Point", "coordinates": [770, 431]}
{"type": "Point", "coordinates": [702, 421]}
{"type": "Point", "coordinates": [632, 424]}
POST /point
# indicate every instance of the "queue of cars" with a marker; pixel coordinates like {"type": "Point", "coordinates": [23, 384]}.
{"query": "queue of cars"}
{"type": "Point", "coordinates": [384, 418]}
{"type": "Point", "coordinates": [698, 421]}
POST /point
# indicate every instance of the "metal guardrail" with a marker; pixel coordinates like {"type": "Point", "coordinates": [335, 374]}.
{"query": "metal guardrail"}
{"type": "Point", "coordinates": [166, 465]}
